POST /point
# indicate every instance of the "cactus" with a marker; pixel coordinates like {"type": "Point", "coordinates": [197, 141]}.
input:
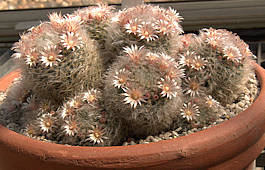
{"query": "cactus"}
{"type": "Point", "coordinates": [97, 77]}
{"type": "Point", "coordinates": [143, 25]}
{"type": "Point", "coordinates": [59, 58]}
{"type": "Point", "coordinates": [219, 58]}
{"type": "Point", "coordinates": [143, 89]}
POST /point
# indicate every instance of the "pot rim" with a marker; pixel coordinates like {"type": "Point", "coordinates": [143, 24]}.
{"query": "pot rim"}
{"type": "Point", "coordinates": [199, 149]}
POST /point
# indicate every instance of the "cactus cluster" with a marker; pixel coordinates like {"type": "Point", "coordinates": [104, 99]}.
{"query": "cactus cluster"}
{"type": "Point", "coordinates": [149, 84]}
{"type": "Point", "coordinates": [97, 77]}
{"type": "Point", "coordinates": [59, 58]}
{"type": "Point", "coordinates": [146, 25]}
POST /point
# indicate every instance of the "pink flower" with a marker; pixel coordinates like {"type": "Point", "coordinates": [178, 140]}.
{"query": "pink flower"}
{"type": "Point", "coordinates": [91, 96]}
{"type": "Point", "coordinates": [57, 21]}
{"type": "Point", "coordinates": [147, 31]}
{"type": "Point", "coordinates": [71, 41]}
{"type": "Point", "coordinates": [189, 111]}
{"type": "Point", "coordinates": [32, 57]}
{"type": "Point", "coordinates": [132, 26]}
{"type": "Point", "coordinates": [50, 56]}
{"type": "Point", "coordinates": [232, 53]}
{"type": "Point", "coordinates": [71, 127]}
{"type": "Point", "coordinates": [133, 97]}
{"type": "Point", "coordinates": [134, 52]}
{"type": "Point", "coordinates": [169, 87]}
{"type": "Point", "coordinates": [193, 87]}
{"type": "Point", "coordinates": [120, 79]}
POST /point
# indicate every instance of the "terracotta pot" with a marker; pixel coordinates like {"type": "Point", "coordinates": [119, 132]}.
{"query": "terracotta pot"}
{"type": "Point", "coordinates": [233, 144]}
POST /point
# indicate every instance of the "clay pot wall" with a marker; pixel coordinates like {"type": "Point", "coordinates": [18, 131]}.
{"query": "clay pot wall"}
{"type": "Point", "coordinates": [233, 144]}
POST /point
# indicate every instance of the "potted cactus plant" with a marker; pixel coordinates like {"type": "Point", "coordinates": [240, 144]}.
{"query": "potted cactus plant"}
{"type": "Point", "coordinates": [97, 79]}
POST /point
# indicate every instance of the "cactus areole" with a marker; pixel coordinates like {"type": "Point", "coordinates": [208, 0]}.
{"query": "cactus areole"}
{"type": "Point", "coordinates": [241, 140]}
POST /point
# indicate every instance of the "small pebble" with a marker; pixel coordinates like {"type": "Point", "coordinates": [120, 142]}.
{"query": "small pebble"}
{"type": "Point", "coordinates": [175, 134]}
{"type": "Point", "coordinates": [241, 104]}
{"type": "Point", "coordinates": [149, 138]}
{"type": "Point", "coordinates": [247, 98]}
{"type": "Point", "coordinates": [178, 129]}
{"type": "Point", "coordinates": [132, 143]}
{"type": "Point", "coordinates": [141, 141]}
{"type": "Point", "coordinates": [232, 106]}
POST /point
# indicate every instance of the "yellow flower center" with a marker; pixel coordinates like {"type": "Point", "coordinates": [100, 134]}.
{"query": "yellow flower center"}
{"type": "Point", "coordinates": [210, 103]}
{"type": "Point", "coordinates": [48, 124]}
{"type": "Point", "coordinates": [136, 95]}
{"type": "Point", "coordinates": [51, 58]}
{"type": "Point", "coordinates": [230, 55]}
{"type": "Point", "coordinates": [146, 34]}
{"type": "Point", "coordinates": [194, 86]}
{"type": "Point", "coordinates": [73, 126]}
{"type": "Point", "coordinates": [91, 98]}
{"type": "Point", "coordinates": [166, 88]}
{"type": "Point", "coordinates": [34, 57]}
{"type": "Point", "coordinates": [71, 43]}
{"type": "Point", "coordinates": [163, 29]}
{"type": "Point", "coordinates": [188, 61]}
{"type": "Point", "coordinates": [97, 134]}
{"type": "Point", "coordinates": [134, 28]}
{"type": "Point", "coordinates": [122, 79]}
{"type": "Point", "coordinates": [198, 65]}
{"type": "Point", "coordinates": [188, 112]}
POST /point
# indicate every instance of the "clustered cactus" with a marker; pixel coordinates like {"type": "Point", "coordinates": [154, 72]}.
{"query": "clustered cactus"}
{"type": "Point", "coordinates": [97, 77]}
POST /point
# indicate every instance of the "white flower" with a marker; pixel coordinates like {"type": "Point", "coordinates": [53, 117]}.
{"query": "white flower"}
{"type": "Point", "coordinates": [32, 58]}
{"type": "Point", "coordinates": [120, 79]}
{"type": "Point", "coordinates": [132, 26]}
{"type": "Point", "coordinates": [134, 52]}
{"type": "Point", "coordinates": [179, 71]}
{"type": "Point", "coordinates": [163, 27]}
{"type": "Point", "coordinates": [211, 102]}
{"type": "Point", "coordinates": [101, 12]}
{"type": "Point", "coordinates": [198, 63]}
{"type": "Point", "coordinates": [187, 58]}
{"type": "Point", "coordinates": [96, 135]}
{"type": "Point", "coordinates": [72, 23]}
{"type": "Point", "coordinates": [173, 13]}
{"type": "Point", "coordinates": [147, 31]}
{"type": "Point", "coordinates": [76, 102]}
{"type": "Point", "coordinates": [214, 41]}
{"type": "Point", "coordinates": [211, 33]}
{"type": "Point", "coordinates": [17, 55]}
{"type": "Point", "coordinates": [169, 87]}
{"type": "Point", "coordinates": [232, 53]}
{"type": "Point", "coordinates": [71, 41]}
{"type": "Point", "coordinates": [70, 128]}
{"type": "Point", "coordinates": [50, 56]}
{"type": "Point", "coordinates": [31, 130]}
{"type": "Point", "coordinates": [189, 111]}
{"type": "Point", "coordinates": [91, 96]}
{"type": "Point", "coordinates": [193, 86]}
{"type": "Point", "coordinates": [47, 122]}
{"type": "Point", "coordinates": [152, 57]}
{"type": "Point", "coordinates": [67, 111]}
{"type": "Point", "coordinates": [212, 37]}
{"type": "Point", "coordinates": [133, 97]}
{"type": "Point", "coordinates": [166, 61]}
{"type": "Point", "coordinates": [57, 21]}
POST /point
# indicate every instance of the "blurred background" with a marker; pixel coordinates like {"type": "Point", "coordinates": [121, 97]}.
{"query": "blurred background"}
{"type": "Point", "coordinates": [244, 17]}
